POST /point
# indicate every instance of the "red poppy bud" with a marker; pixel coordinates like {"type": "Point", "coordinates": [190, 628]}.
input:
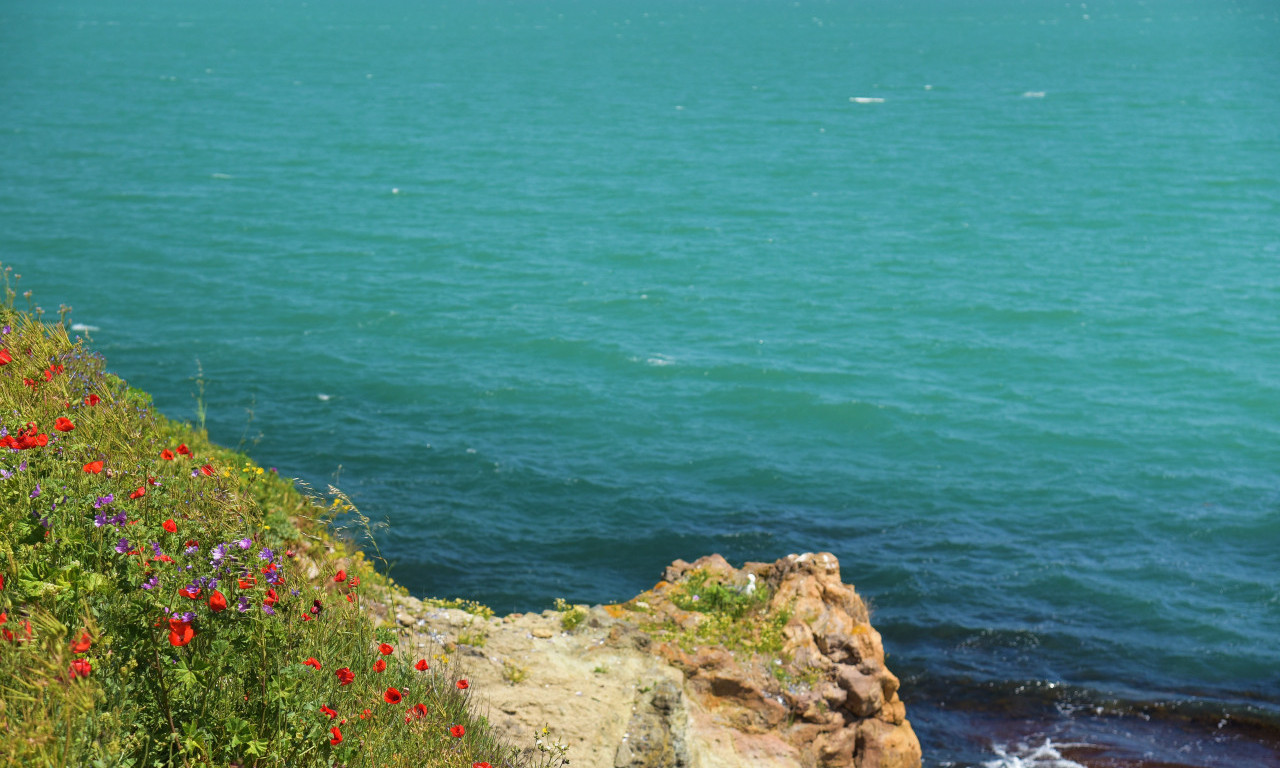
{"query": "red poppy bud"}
{"type": "Point", "coordinates": [379, 665]}
{"type": "Point", "coordinates": [166, 454]}
{"type": "Point", "coordinates": [391, 696]}
{"type": "Point", "coordinates": [63, 424]}
{"type": "Point", "coordinates": [170, 526]}
{"type": "Point", "coordinates": [217, 602]}
{"type": "Point", "coordinates": [345, 676]}
{"type": "Point", "coordinates": [385, 649]}
{"type": "Point", "coordinates": [152, 481]}
{"type": "Point", "coordinates": [457, 731]}
{"type": "Point", "coordinates": [81, 645]}
{"type": "Point", "coordinates": [80, 668]}
{"type": "Point", "coordinates": [93, 467]}
{"type": "Point", "coordinates": [337, 735]}
{"type": "Point", "coordinates": [422, 665]}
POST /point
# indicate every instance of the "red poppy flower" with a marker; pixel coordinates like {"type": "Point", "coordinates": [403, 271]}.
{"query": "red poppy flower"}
{"type": "Point", "coordinates": [166, 454]}
{"type": "Point", "coordinates": [207, 470]}
{"type": "Point", "coordinates": [329, 712]}
{"type": "Point", "coordinates": [345, 676]}
{"type": "Point", "coordinates": [152, 481]}
{"type": "Point", "coordinates": [463, 685]}
{"type": "Point", "coordinates": [63, 424]}
{"type": "Point", "coordinates": [217, 602]}
{"type": "Point", "coordinates": [481, 765]}
{"type": "Point", "coordinates": [350, 599]}
{"type": "Point", "coordinates": [271, 598]}
{"type": "Point", "coordinates": [246, 583]}
{"type": "Point", "coordinates": [422, 665]}
{"type": "Point", "coordinates": [183, 450]}
{"type": "Point", "coordinates": [355, 581]}
{"type": "Point", "coordinates": [5, 357]}
{"type": "Point", "coordinates": [93, 467]}
{"type": "Point", "coordinates": [312, 662]}
{"type": "Point", "coordinates": [48, 374]}
{"type": "Point", "coordinates": [1, 584]}
{"type": "Point", "coordinates": [180, 632]}
{"type": "Point", "coordinates": [457, 731]}
{"type": "Point", "coordinates": [82, 645]}
{"type": "Point", "coordinates": [92, 400]}
{"type": "Point", "coordinates": [80, 668]}
{"type": "Point", "coordinates": [366, 714]}
{"type": "Point", "coordinates": [189, 543]}
{"type": "Point", "coordinates": [340, 576]}
{"type": "Point", "coordinates": [391, 696]}
{"type": "Point", "coordinates": [337, 735]}
{"type": "Point", "coordinates": [379, 665]}
{"type": "Point", "coordinates": [420, 710]}
{"type": "Point", "coordinates": [386, 650]}
{"type": "Point", "coordinates": [170, 526]}
{"type": "Point", "coordinates": [190, 593]}
{"type": "Point", "coordinates": [139, 493]}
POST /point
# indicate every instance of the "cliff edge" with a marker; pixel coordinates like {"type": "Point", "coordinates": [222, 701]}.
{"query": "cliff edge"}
{"type": "Point", "coordinates": [773, 665]}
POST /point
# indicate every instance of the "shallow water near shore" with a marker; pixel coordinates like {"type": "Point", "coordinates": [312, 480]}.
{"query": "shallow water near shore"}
{"type": "Point", "coordinates": [981, 298]}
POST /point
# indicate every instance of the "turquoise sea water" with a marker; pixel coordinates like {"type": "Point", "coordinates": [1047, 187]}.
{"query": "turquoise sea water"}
{"type": "Point", "coordinates": [982, 297]}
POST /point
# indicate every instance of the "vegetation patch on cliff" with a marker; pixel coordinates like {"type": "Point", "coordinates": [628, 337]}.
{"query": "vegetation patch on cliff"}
{"type": "Point", "coordinates": [164, 601]}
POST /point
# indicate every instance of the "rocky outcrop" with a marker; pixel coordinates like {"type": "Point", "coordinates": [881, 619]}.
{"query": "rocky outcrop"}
{"type": "Point", "coordinates": [784, 670]}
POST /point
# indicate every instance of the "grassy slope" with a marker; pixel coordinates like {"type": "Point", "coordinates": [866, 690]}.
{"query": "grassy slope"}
{"type": "Point", "coordinates": [79, 548]}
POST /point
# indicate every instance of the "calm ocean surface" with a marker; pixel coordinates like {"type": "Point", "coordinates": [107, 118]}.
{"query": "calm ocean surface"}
{"type": "Point", "coordinates": [983, 297]}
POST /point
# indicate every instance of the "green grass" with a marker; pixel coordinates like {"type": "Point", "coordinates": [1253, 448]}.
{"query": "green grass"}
{"type": "Point", "coordinates": [108, 554]}
{"type": "Point", "coordinates": [735, 618]}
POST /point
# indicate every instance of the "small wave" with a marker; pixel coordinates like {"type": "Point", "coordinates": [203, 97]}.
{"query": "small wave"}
{"type": "Point", "coordinates": [221, 176]}
{"type": "Point", "coordinates": [660, 360]}
{"type": "Point", "coordinates": [1022, 756]}
{"type": "Point", "coordinates": [323, 397]}
{"type": "Point", "coordinates": [1033, 95]}
{"type": "Point", "coordinates": [866, 99]}
{"type": "Point", "coordinates": [82, 328]}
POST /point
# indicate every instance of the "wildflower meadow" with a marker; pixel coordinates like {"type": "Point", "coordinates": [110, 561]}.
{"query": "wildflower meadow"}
{"type": "Point", "coordinates": [164, 601]}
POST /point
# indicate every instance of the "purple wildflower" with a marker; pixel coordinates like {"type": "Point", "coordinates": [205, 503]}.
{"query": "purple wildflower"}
{"type": "Point", "coordinates": [120, 519]}
{"type": "Point", "coordinates": [99, 520]}
{"type": "Point", "coordinates": [243, 604]}
{"type": "Point", "coordinates": [151, 583]}
{"type": "Point", "coordinates": [245, 543]}
{"type": "Point", "coordinates": [191, 550]}
{"type": "Point", "coordinates": [219, 552]}
{"type": "Point", "coordinates": [265, 554]}
{"type": "Point", "coordinates": [36, 492]}
{"type": "Point", "coordinates": [268, 610]}
{"type": "Point", "coordinates": [123, 546]}
{"type": "Point", "coordinates": [104, 501]}
{"type": "Point", "coordinates": [155, 547]}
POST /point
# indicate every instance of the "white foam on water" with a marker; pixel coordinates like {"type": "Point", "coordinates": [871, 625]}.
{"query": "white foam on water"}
{"type": "Point", "coordinates": [660, 360]}
{"type": "Point", "coordinates": [1023, 756]}
{"type": "Point", "coordinates": [82, 328]}
{"type": "Point", "coordinates": [866, 99]}
{"type": "Point", "coordinates": [1033, 95]}
{"type": "Point", "coordinates": [221, 176]}
{"type": "Point", "coordinates": [322, 397]}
